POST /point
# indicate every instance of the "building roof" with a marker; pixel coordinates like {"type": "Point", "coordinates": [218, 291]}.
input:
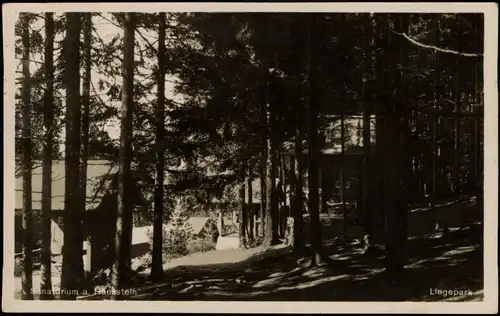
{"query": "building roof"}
{"type": "Point", "coordinates": [95, 186]}
{"type": "Point", "coordinates": [197, 223]}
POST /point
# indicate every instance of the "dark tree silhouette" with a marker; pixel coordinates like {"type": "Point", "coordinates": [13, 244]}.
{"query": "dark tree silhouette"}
{"type": "Point", "coordinates": [48, 118]}
{"type": "Point", "coordinates": [268, 111]}
{"type": "Point", "coordinates": [318, 255]}
{"type": "Point", "coordinates": [156, 263]}
{"type": "Point", "coordinates": [296, 163]}
{"type": "Point", "coordinates": [27, 216]}
{"type": "Point", "coordinates": [87, 63]}
{"type": "Point", "coordinates": [121, 267]}
{"type": "Point", "coordinates": [250, 207]}
{"type": "Point", "coordinates": [72, 249]}
{"type": "Point", "coordinates": [271, 220]}
{"type": "Point", "coordinates": [263, 185]}
{"type": "Point", "coordinates": [367, 109]}
{"type": "Point", "coordinates": [241, 209]}
{"type": "Point", "coordinates": [395, 206]}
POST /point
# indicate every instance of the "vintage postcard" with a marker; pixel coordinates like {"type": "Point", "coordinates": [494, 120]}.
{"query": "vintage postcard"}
{"type": "Point", "coordinates": [250, 157]}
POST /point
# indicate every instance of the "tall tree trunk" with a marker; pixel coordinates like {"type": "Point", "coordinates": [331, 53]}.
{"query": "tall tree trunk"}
{"type": "Point", "coordinates": [250, 208]}
{"type": "Point", "coordinates": [263, 184]}
{"type": "Point", "coordinates": [121, 267]}
{"type": "Point", "coordinates": [156, 263]}
{"type": "Point", "coordinates": [263, 167]}
{"type": "Point", "coordinates": [478, 118]}
{"type": "Point", "coordinates": [318, 255]}
{"type": "Point", "coordinates": [380, 131]}
{"type": "Point", "coordinates": [241, 210]}
{"type": "Point", "coordinates": [396, 212]}
{"type": "Point", "coordinates": [297, 162]}
{"type": "Point", "coordinates": [281, 192]}
{"type": "Point", "coordinates": [478, 165]}
{"type": "Point", "coordinates": [297, 184]}
{"type": "Point", "coordinates": [456, 120]}
{"type": "Point", "coordinates": [343, 172]}
{"type": "Point", "coordinates": [270, 227]}
{"type": "Point", "coordinates": [296, 166]}
{"type": "Point", "coordinates": [87, 63]}
{"type": "Point", "coordinates": [433, 128]}
{"type": "Point", "coordinates": [27, 215]}
{"type": "Point", "coordinates": [72, 249]}
{"type": "Point", "coordinates": [48, 118]}
{"type": "Point", "coordinates": [367, 65]}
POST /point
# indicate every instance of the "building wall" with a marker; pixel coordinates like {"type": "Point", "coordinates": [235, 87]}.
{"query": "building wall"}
{"type": "Point", "coordinates": [57, 239]}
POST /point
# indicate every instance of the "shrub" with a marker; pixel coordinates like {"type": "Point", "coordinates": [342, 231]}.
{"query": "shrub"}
{"type": "Point", "coordinates": [200, 245]}
{"type": "Point", "coordinates": [175, 241]}
{"type": "Point", "coordinates": [175, 234]}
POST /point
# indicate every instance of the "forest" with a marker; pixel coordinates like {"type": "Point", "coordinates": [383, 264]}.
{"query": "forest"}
{"type": "Point", "coordinates": [279, 123]}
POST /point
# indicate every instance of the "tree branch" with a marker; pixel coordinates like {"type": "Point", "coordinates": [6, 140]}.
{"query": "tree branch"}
{"type": "Point", "coordinates": [438, 49]}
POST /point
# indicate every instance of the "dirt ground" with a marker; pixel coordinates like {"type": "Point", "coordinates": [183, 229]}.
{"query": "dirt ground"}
{"type": "Point", "coordinates": [435, 261]}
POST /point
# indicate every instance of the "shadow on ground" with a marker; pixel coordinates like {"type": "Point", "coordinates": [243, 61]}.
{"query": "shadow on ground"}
{"type": "Point", "coordinates": [451, 262]}
{"type": "Point", "coordinates": [436, 262]}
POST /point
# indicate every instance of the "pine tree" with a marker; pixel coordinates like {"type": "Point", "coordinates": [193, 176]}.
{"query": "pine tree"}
{"type": "Point", "coordinates": [177, 231]}
{"type": "Point", "coordinates": [72, 249]}
{"type": "Point", "coordinates": [241, 210]}
{"type": "Point", "coordinates": [396, 211]}
{"type": "Point", "coordinates": [367, 75]}
{"type": "Point", "coordinates": [366, 20]}
{"type": "Point", "coordinates": [27, 216]}
{"type": "Point", "coordinates": [269, 108]}
{"type": "Point", "coordinates": [319, 256]}
{"type": "Point", "coordinates": [87, 63]}
{"type": "Point", "coordinates": [249, 212]}
{"type": "Point", "coordinates": [156, 264]}
{"type": "Point", "coordinates": [121, 267]}
{"type": "Point", "coordinates": [297, 161]}
{"type": "Point", "coordinates": [48, 116]}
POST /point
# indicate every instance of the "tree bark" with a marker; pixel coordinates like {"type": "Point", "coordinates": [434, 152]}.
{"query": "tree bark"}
{"type": "Point", "coordinates": [121, 267]}
{"type": "Point", "coordinates": [87, 63]}
{"type": "Point", "coordinates": [48, 118]}
{"type": "Point", "coordinates": [298, 220]}
{"type": "Point", "coordinates": [318, 255]}
{"type": "Point", "coordinates": [263, 185]}
{"type": "Point", "coordinates": [396, 212]}
{"type": "Point", "coordinates": [433, 128]}
{"type": "Point", "coordinates": [250, 208]}
{"type": "Point", "coordinates": [241, 210]}
{"type": "Point", "coordinates": [270, 227]}
{"type": "Point", "coordinates": [478, 134]}
{"type": "Point", "coordinates": [343, 172]}
{"type": "Point", "coordinates": [156, 263]}
{"type": "Point", "coordinates": [380, 131]}
{"type": "Point", "coordinates": [478, 165]}
{"type": "Point", "coordinates": [296, 185]}
{"type": "Point", "coordinates": [456, 120]}
{"type": "Point", "coordinates": [27, 215]}
{"type": "Point", "coordinates": [72, 249]}
{"type": "Point", "coordinates": [368, 69]}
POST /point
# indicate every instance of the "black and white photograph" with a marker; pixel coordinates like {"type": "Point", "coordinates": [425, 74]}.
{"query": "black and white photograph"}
{"type": "Point", "coordinates": [296, 154]}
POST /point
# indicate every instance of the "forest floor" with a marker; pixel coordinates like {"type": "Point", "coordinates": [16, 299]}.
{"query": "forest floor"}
{"type": "Point", "coordinates": [454, 261]}
{"type": "Point", "coordinates": [436, 261]}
